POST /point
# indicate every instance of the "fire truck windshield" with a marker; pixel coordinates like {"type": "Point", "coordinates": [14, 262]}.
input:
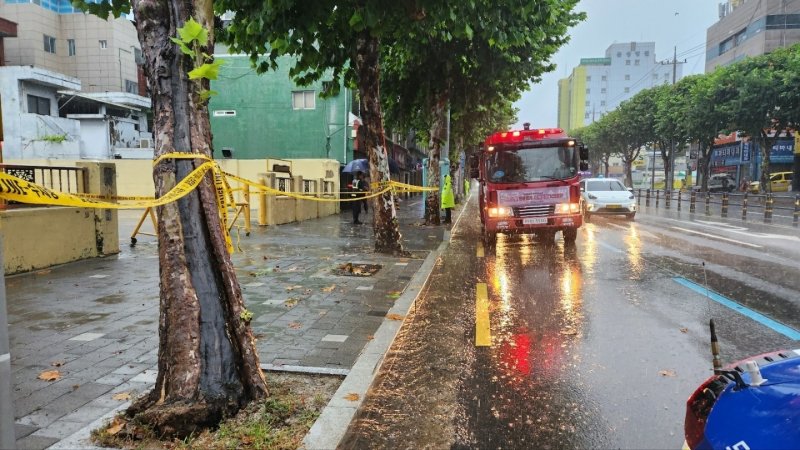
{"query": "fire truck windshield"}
{"type": "Point", "coordinates": [531, 164]}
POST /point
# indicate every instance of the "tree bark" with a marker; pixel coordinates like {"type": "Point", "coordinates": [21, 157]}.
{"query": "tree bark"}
{"type": "Point", "coordinates": [208, 366]}
{"type": "Point", "coordinates": [703, 166]}
{"type": "Point", "coordinates": [766, 149]}
{"type": "Point", "coordinates": [437, 138]}
{"type": "Point", "coordinates": [384, 223]}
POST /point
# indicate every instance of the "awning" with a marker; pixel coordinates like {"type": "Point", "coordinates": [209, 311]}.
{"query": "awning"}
{"type": "Point", "coordinates": [76, 94]}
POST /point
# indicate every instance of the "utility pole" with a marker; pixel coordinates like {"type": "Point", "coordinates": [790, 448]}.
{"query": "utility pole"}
{"type": "Point", "coordinates": [670, 177]}
{"type": "Point", "coordinates": [7, 439]}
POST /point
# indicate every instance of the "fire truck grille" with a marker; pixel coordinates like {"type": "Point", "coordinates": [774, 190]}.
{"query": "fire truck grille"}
{"type": "Point", "coordinates": [534, 211]}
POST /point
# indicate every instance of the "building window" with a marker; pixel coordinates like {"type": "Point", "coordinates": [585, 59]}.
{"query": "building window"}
{"type": "Point", "coordinates": [71, 47]}
{"type": "Point", "coordinates": [588, 103]}
{"type": "Point", "coordinates": [627, 90]}
{"type": "Point", "coordinates": [647, 53]}
{"type": "Point", "coordinates": [303, 100]}
{"type": "Point", "coordinates": [137, 56]}
{"type": "Point", "coordinates": [588, 78]}
{"type": "Point", "coordinates": [636, 63]}
{"type": "Point", "coordinates": [586, 116]}
{"type": "Point", "coordinates": [627, 62]}
{"type": "Point", "coordinates": [603, 78]}
{"type": "Point", "coordinates": [49, 44]}
{"type": "Point", "coordinates": [619, 54]}
{"type": "Point", "coordinates": [131, 87]}
{"type": "Point", "coordinates": [655, 76]}
{"type": "Point", "coordinates": [602, 90]}
{"type": "Point", "coordinates": [627, 77]}
{"type": "Point", "coordinates": [602, 103]}
{"type": "Point", "coordinates": [103, 43]}
{"type": "Point", "coordinates": [628, 54]}
{"type": "Point", "coordinates": [588, 91]}
{"type": "Point", "coordinates": [225, 113]}
{"type": "Point", "coordinates": [637, 53]}
{"type": "Point", "coordinates": [38, 105]}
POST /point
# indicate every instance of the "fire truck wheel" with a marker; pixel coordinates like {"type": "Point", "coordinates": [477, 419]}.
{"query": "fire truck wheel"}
{"type": "Point", "coordinates": [630, 216]}
{"type": "Point", "coordinates": [570, 234]}
{"type": "Point", "coordinates": [489, 239]}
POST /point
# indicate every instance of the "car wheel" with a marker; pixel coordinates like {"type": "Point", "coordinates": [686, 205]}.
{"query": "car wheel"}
{"type": "Point", "coordinates": [570, 234]}
{"type": "Point", "coordinates": [587, 216]}
{"type": "Point", "coordinates": [630, 216]}
{"type": "Point", "coordinates": [489, 239]}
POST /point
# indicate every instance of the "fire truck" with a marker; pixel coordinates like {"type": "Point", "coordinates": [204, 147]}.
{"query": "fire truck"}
{"type": "Point", "coordinates": [529, 183]}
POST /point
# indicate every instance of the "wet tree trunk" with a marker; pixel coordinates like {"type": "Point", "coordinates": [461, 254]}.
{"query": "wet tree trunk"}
{"type": "Point", "coordinates": [384, 224]}
{"type": "Point", "coordinates": [208, 366]}
{"type": "Point", "coordinates": [766, 149]}
{"type": "Point", "coordinates": [438, 136]}
{"type": "Point", "coordinates": [703, 168]}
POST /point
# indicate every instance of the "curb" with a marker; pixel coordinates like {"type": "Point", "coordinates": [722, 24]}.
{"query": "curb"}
{"type": "Point", "coordinates": [329, 429]}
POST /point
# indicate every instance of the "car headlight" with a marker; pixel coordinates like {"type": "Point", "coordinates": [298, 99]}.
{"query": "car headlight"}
{"type": "Point", "coordinates": [500, 211]}
{"type": "Point", "coordinates": [567, 208]}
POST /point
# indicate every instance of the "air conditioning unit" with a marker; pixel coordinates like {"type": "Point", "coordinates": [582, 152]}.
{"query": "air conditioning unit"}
{"type": "Point", "coordinates": [145, 143]}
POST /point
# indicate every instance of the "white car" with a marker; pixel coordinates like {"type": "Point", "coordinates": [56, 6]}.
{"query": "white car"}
{"type": "Point", "coordinates": [606, 196]}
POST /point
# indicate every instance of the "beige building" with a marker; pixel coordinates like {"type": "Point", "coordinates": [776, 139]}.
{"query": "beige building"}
{"type": "Point", "coordinates": [53, 35]}
{"type": "Point", "coordinates": [751, 28]}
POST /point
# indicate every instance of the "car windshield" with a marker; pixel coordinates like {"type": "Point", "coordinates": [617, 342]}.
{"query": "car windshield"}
{"type": "Point", "coordinates": [604, 185]}
{"type": "Point", "coordinates": [532, 164]}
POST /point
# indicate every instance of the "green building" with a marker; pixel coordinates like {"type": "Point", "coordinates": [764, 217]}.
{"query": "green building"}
{"type": "Point", "coordinates": [268, 116]}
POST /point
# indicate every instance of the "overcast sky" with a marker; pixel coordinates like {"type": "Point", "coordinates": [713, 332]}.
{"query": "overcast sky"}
{"type": "Point", "coordinates": [610, 21]}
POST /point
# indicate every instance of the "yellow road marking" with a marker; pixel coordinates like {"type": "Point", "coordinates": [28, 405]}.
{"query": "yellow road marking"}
{"type": "Point", "coordinates": [483, 335]}
{"type": "Point", "coordinates": [480, 250]}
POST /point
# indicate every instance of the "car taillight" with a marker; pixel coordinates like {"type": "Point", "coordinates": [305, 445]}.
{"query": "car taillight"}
{"type": "Point", "coordinates": [698, 407]}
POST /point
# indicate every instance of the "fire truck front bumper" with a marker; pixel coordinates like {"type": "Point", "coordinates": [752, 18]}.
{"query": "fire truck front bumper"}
{"type": "Point", "coordinates": [530, 224]}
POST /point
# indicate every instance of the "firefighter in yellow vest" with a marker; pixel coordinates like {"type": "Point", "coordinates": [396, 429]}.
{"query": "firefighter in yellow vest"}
{"type": "Point", "coordinates": [448, 201]}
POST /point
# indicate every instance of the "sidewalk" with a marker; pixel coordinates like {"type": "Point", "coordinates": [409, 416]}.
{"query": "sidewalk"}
{"type": "Point", "coordinates": [95, 321]}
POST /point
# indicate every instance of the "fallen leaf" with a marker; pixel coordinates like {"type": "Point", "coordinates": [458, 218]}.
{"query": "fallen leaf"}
{"type": "Point", "coordinates": [43, 272]}
{"type": "Point", "coordinates": [50, 375]}
{"type": "Point", "coordinates": [290, 303]}
{"type": "Point", "coordinates": [370, 337]}
{"type": "Point", "coordinates": [122, 396]}
{"type": "Point", "coordinates": [684, 330]}
{"type": "Point", "coordinates": [295, 325]}
{"type": "Point", "coordinates": [351, 397]}
{"type": "Point", "coordinates": [329, 288]}
{"type": "Point", "coordinates": [666, 373]}
{"type": "Point", "coordinates": [116, 426]}
{"type": "Point", "coordinates": [75, 386]}
{"type": "Point", "coordinates": [394, 316]}
{"type": "Point", "coordinates": [394, 294]}
{"type": "Point", "coordinates": [569, 332]}
{"type": "Point", "coordinates": [58, 363]}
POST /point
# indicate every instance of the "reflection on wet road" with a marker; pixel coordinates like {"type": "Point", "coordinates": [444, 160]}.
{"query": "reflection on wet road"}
{"type": "Point", "coordinates": [595, 345]}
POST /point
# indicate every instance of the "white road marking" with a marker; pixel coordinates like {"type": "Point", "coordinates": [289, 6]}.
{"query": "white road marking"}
{"type": "Point", "coordinates": [716, 237]}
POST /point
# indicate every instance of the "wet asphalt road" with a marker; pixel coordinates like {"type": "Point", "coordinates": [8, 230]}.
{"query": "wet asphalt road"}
{"type": "Point", "coordinates": [595, 345]}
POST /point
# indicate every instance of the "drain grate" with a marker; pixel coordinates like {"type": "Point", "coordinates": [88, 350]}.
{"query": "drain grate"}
{"type": "Point", "coordinates": [357, 270]}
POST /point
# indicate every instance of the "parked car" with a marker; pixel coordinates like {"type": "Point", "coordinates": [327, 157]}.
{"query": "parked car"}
{"type": "Point", "coordinates": [781, 182]}
{"type": "Point", "coordinates": [606, 196]}
{"type": "Point", "coordinates": [721, 182]}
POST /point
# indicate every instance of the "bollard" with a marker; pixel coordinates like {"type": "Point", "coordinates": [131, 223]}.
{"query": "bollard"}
{"type": "Point", "coordinates": [724, 204]}
{"type": "Point", "coordinates": [647, 198]}
{"type": "Point", "coordinates": [744, 206]}
{"type": "Point", "coordinates": [639, 201]}
{"type": "Point", "coordinates": [658, 192]}
{"type": "Point", "coordinates": [667, 199]}
{"type": "Point", "coordinates": [768, 208]}
{"type": "Point", "coordinates": [708, 203]}
{"type": "Point", "coordinates": [679, 199]}
{"type": "Point", "coordinates": [693, 202]}
{"type": "Point", "coordinates": [796, 213]}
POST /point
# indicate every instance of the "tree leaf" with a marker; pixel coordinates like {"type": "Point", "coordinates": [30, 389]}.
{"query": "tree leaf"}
{"type": "Point", "coordinates": [329, 288]}
{"type": "Point", "coordinates": [191, 31]}
{"type": "Point", "coordinates": [184, 49]}
{"type": "Point", "coordinates": [116, 426]}
{"type": "Point", "coordinates": [355, 19]}
{"type": "Point", "coordinates": [209, 71]}
{"type": "Point", "coordinates": [394, 316]}
{"type": "Point", "coordinates": [50, 375]}
{"type": "Point", "coordinates": [353, 397]}
{"type": "Point", "coordinates": [122, 396]}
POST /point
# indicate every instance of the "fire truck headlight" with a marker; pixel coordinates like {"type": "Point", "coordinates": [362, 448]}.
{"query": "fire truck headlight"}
{"type": "Point", "coordinates": [568, 208]}
{"type": "Point", "coordinates": [499, 211]}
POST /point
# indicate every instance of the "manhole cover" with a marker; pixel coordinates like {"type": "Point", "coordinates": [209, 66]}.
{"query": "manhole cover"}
{"type": "Point", "coordinates": [357, 270]}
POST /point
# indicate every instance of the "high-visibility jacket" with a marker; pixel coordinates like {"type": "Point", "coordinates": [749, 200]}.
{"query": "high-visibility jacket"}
{"type": "Point", "coordinates": [448, 201]}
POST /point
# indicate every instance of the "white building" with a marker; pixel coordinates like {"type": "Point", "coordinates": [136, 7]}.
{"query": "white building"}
{"type": "Point", "coordinates": [599, 85]}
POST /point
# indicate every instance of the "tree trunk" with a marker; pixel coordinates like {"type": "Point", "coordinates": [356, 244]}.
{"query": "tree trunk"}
{"type": "Point", "coordinates": [606, 166]}
{"type": "Point", "coordinates": [384, 224]}
{"type": "Point", "coordinates": [208, 365]}
{"type": "Point", "coordinates": [766, 149]}
{"type": "Point", "coordinates": [437, 138]}
{"type": "Point", "coordinates": [703, 165]}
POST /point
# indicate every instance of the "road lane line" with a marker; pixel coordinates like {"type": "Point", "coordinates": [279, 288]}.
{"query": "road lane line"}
{"type": "Point", "coordinates": [609, 246]}
{"type": "Point", "coordinates": [716, 237]}
{"type": "Point", "coordinates": [480, 253]}
{"type": "Point", "coordinates": [483, 334]}
{"type": "Point", "coordinates": [776, 326]}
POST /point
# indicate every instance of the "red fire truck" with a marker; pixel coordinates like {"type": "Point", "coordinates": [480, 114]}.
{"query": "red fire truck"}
{"type": "Point", "coordinates": [529, 183]}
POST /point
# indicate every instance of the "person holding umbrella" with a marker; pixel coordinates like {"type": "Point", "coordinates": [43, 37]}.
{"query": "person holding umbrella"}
{"type": "Point", "coordinates": [359, 187]}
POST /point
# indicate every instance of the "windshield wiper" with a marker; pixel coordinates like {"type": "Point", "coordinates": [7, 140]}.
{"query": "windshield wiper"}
{"type": "Point", "coordinates": [553, 178]}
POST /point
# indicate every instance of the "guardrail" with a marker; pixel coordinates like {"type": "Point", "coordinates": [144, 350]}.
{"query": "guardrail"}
{"type": "Point", "coordinates": [63, 179]}
{"type": "Point", "coordinates": [766, 206]}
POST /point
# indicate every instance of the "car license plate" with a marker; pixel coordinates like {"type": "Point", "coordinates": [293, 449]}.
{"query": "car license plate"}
{"type": "Point", "coordinates": [535, 221]}
{"type": "Point", "coordinates": [614, 206]}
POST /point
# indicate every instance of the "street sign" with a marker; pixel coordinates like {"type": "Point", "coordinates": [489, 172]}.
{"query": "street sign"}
{"type": "Point", "coordinates": [797, 142]}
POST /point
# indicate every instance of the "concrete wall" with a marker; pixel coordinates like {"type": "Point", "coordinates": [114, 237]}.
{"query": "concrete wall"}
{"type": "Point", "coordinates": [39, 237]}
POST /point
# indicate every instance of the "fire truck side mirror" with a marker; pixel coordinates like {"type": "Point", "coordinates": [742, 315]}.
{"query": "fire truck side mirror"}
{"type": "Point", "coordinates": [584, 153]}
{"type": "Point", "coordinates": [473, 166]}
{"type": "Point", "coordinates": [584, 166]}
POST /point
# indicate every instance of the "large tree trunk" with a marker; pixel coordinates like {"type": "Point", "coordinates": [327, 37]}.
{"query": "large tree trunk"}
{"type": "Point", "coordinates": [384, 223]}
{"type": "Point", "coordinates": [438, 135]}
{"type": "Point", "coordinates": [208, 366]}
{"type": "Point", "coordinates": [766, 149]}
{"type": "Point", "coordinates": [703, 165]}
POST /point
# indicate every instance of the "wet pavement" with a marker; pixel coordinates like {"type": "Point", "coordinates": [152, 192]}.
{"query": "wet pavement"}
{"type": "Point", "coordinates": [596, 345]}
{"type": "Point", "coordinates": [95, 321]}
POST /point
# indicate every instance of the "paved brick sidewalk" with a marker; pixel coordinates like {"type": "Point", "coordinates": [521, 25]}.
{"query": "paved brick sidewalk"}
{"type": "Point", "coordinates": [96, 321]}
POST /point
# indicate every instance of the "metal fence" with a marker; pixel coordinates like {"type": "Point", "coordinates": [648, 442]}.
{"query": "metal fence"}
{"type": "Point", "coordinates": [725, 204]}
{"type": "Point", "coordinates": [71, 180]}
